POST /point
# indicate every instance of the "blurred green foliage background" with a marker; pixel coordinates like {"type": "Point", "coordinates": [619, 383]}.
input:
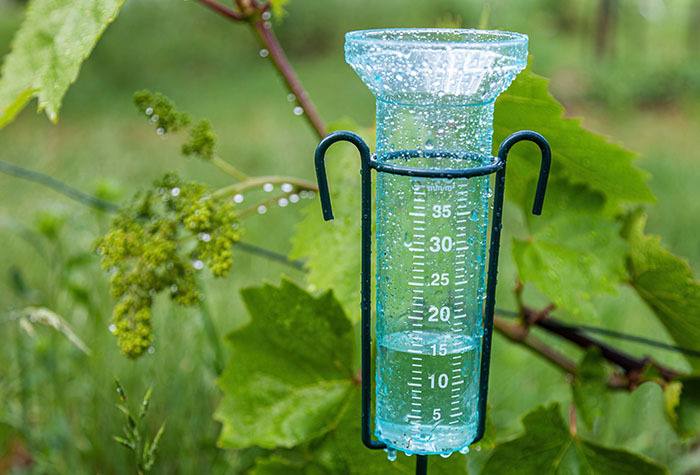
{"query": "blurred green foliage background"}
{"type": "Point", "coordinates": [636, 80]}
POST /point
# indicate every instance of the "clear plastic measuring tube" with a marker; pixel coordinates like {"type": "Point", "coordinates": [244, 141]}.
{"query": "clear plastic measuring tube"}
{"type": "Point", "coordinates": [435, 94]}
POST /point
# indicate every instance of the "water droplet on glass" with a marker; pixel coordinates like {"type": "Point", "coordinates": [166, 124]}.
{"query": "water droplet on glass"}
{"type": "Point", "coordinates": [264, 53]}
{"type": "Point", "coordinates": [464, 450]}
{"type": "Point", "coordinates": [112, 328]}
{"type": "Point", "coordinates": [408, 239]}
{"type": "Point", "coordinates": [268, 187]}
{"type": "Point", "coordinates": [283, 202]}
{"type": "Point", "coordinates": [149, 110]}
{"type": "Point", "coordinates": [286, 187]}
{"type": "Point", "coordinates": [475, 215]}
{"type": "Point", "coordinates": [238, 198]}
{"type": "Point", "coordinates": [294, 198]}
{"type": "Point", "coordinates": [391, 454]}
{"type": "Point", "coordinates": [175, 191]}
{"type": "Point", "coordinates": [199, 265]}
{"type": "Point", "coordinates": [266, 15]}
{"type": "Point", "coordinates": [262, 209]}
{"type": "Point", "coordinates": [291, 97]}
{"type": "Point", "coordinates": [429, 144]}
{"type": "Point", "coordinates": [298, 110]}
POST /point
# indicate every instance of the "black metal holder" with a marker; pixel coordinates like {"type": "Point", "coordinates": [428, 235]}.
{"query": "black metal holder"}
{"type": "Point", "coordinates": [370, 162]}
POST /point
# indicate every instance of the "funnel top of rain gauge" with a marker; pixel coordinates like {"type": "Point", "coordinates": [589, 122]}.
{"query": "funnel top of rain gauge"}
{"type": "Point", "coordinates": [436, 66]}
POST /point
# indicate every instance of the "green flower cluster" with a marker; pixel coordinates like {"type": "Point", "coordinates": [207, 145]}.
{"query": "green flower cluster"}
{"type": "Point", "coordinates": [201, 142]}
{"type": "Point", "coordinates": [161, 110]}
{"type": "Point", "coordinates": [164, 114]}
{"type": "Point", "coordinates": [159, 242]}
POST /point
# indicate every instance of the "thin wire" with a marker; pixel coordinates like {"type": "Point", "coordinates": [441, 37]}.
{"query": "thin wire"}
{"type": "Point", "coordinates": [616, 334]}
{"type": "Point", "coordinates": [51, 182]}
{"type": "Point", "coordinates": [99, 203]}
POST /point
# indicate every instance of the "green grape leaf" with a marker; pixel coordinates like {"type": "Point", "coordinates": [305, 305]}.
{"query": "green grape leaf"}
{"type": "Point", "coordinates": [665, 282]}
{"type": "Point", "coordinates": [579, 156]}
{"type": "Point", "coordinates": [548, 447]}
{"type": "Point", "coordinates": [590, 387]}
{"type": "Point", "coordinates": [682, 401]}
{"type": "Point", "coordinates": [338, 266]}
{"type": "Point", "coordinates": [47, 51]}
{"type": "Point", "coordinates": [572, 254]}
{"type": "Point", "coordinates": [342, 451]}
{"type": "Point", "coordinates": [290, 372]}
{"type": "Point", "coordinates": [290, 388]}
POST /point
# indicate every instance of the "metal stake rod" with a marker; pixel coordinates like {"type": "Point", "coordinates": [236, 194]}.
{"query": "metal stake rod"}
{"type": "Point", "coordinates": [369, 162]}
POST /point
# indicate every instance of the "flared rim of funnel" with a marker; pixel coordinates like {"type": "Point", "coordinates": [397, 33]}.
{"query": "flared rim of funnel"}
{"type": "Point", "coordinates": [441, 37]}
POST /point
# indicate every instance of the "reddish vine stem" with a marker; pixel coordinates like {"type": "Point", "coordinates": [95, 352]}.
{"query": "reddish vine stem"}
{"type": "Point", "coordinates": [223, 10]}
{"type": "Point", "coordinates": [263, 28]}
{"type": "Point", "coordinates": [633, 367]}
{"type": "Point", "coordinates": [279, 59]}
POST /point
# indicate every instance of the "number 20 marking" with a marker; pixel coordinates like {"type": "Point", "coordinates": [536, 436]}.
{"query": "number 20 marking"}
{"type": "Point", "coordinates": [443, 312]}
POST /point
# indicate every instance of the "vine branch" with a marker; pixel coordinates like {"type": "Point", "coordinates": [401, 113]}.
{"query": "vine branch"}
{"type": "Point", "coordinates": [252, 12]}
{"type": "Point", "coordinates": [633, 368]}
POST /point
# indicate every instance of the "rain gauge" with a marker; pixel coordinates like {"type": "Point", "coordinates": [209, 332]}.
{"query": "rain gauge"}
{"type": "Point", "coordinates": [435, 92]}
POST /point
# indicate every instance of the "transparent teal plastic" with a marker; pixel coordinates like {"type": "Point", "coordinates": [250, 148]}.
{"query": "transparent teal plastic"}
{"type": "Point", "coordinates": [435, 92]}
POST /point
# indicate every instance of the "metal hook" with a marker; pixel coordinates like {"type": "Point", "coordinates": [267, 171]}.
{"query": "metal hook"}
{"type": "Point", "coordinates": [319, 160]}
{"type": "Point", "coordinates": [544, 166]}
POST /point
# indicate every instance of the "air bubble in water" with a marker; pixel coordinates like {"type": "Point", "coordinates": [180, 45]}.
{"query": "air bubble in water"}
{"type": "Point", "coordinates": [160, 130]}
{"type": "Point", "coordinates": [205, 237]}
{"type": "Point", "coordinates": [294, 198]}
{"type": "Point", "coordinates": [445, 455]}
{"type": "Point", "coordinates": [262, 209]}
{"type": "Point", "coordinates": [155, 117]}
{"type": "Point", "coordinates": [175, 191]}
{"type": "Point", "coordinates": [298, 110]}
{"type": "Point", "coordinates": [264, 53]}
{"type": "Point", "coordinates": [283, 202]}
{"type": "Point", "coordinates": [149, 110]}
{"type": "Point", "coordinates": [464, 450]}
{"type": "Point", "coordinates": [291, 97]}
{"type": "Point", "coordinates": [238, 198]}
{"type": "Point", "coordinates": [199, 265]}
{"type": "Point", "coordinates": [429, 144]}
{"type": "Point", "coordinates": [112, 328]}
{"type": "Point", "coordinates": [266, 15]}
{"type": "Point", "coordinates": [268, 187]}
{"type": "Point", "coordinates": [286, 187]}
